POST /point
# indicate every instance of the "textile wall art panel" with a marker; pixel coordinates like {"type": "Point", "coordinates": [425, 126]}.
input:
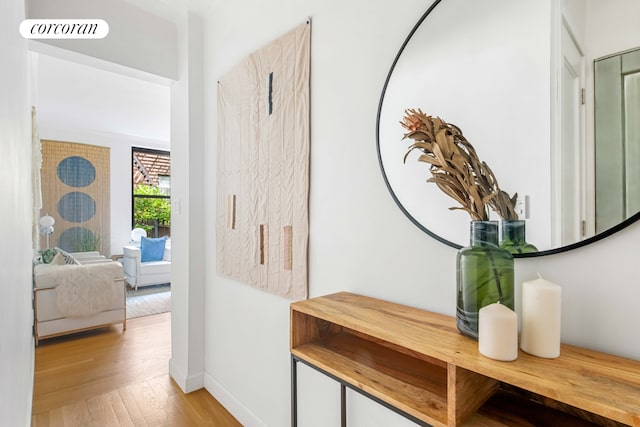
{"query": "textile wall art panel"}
{"type": "Point", "coordinates": [263, 167]}
{"type": "Point", "coordinates": [76, 193]}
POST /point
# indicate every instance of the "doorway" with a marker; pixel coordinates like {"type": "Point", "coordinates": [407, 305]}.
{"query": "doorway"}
{"type": "Point", "coordinates": [569, 192]}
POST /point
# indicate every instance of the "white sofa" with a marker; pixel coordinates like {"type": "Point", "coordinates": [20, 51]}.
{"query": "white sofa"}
{"type": "Point", "coordinates": [51, 318]}
{"type": "Point", "coordinates": [147, 273]}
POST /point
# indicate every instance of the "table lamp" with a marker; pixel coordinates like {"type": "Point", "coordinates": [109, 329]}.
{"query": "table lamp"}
{"type": "Point", "coordinates": [46, 226]}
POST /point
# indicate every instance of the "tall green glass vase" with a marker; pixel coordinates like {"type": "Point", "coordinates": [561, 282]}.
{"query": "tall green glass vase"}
{"type": "Point", "coordinates": [484, 276]}
{"type": "Point", "coordinates": [514, 237]}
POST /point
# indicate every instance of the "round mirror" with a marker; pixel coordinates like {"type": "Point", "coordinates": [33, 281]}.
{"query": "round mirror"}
{"type": "Point", "coordinates": [529, 83]}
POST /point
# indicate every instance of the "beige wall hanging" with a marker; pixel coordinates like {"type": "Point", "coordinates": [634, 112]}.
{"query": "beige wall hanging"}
{"type": "Point", "coordinates": [263, 167]}
{"type": "Point", "coordinates": [76, 193]}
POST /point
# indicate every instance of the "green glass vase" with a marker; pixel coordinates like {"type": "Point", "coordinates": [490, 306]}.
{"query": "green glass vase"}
{"type": "Point", "coordinates": [484, 276]}
{"type": "Point", "coordinates": [514, 237]}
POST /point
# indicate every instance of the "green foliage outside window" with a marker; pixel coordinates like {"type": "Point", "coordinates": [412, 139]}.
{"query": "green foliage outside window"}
{"type": "Point", "coordinates": [146, 210]}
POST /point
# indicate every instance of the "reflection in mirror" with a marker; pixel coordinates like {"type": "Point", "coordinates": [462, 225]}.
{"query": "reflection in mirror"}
{"type": "Point", "coordinates": [617, 101]}
{"type": "Point", "coordinates": [518, 78]}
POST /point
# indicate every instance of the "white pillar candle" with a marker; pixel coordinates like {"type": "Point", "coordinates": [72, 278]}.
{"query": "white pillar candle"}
{"type": "Point", "coordinates": [541, 311]}
{"type": "Point", "coordinates": [498, 332]}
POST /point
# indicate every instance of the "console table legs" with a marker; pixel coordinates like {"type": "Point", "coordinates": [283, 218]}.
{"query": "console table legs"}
{"type": "Point", "coordinates": [294, 392]}
{"type": "Point", "coordinates": [343, 396]}
{"type": "Point", "coordinates": [294, 397]}
{"type": "Point", "coordinates": [343, 405]}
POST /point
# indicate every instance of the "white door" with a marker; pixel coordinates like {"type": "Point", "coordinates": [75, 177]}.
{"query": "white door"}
{"type": "Point", "coordinates": [568, 153]}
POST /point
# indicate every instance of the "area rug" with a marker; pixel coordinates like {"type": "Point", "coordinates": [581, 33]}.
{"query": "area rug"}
{"type": "Point", "coordinates": [148, 300]}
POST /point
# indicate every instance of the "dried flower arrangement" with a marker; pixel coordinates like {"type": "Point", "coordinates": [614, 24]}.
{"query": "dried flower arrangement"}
{"type": "Point", "coordinates": [455, 166]}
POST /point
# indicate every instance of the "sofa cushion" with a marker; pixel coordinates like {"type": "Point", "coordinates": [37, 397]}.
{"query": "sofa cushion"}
{"type": "Point", "coordinates": [68, 258]}
{"type": "Point", "coordinates": [152, 249]}
{"type": "Point", "coordinates": [58, 259]}
{"type": "Point", "coordinates": [155, 267]}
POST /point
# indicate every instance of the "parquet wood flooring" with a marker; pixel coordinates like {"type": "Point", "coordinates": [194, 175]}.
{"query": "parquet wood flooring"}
{"type": "Point", "coordinates": [110, 378]}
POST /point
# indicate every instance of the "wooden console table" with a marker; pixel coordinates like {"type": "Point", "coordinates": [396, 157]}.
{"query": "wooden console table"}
{"type": "Point", "coordinates": [417, 364]}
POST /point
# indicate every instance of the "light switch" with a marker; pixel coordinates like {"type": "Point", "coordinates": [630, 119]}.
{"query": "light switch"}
{"type": "Point", "coordinates": [522, 207]}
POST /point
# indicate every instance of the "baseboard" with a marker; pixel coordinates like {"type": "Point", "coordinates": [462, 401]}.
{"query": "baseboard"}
{"type": "Point", "coordinates": [231, 403]}
{"type": "Point", "coordinates": [186, 383]}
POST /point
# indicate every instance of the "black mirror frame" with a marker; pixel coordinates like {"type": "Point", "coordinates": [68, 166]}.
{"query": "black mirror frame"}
{"type": "Point", "coordinates": [560, 249]}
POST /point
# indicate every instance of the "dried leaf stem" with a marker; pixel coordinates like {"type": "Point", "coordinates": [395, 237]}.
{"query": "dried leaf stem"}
{"type": "Point", "coordinates": [455, 166]}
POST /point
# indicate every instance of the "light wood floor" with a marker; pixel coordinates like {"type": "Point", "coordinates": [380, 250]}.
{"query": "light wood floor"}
{"type": "Point", "coordinates": [110, 378]}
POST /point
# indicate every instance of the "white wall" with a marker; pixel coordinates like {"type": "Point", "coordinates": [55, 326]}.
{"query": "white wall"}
{"type": "Point", "coordinates": [87, 105]}
{"type": "Point", "coordinates": [359, 239]}
{"type": "Point", "coordinates": [16, 348]}
{"type": "Point", "coordinates": [136, 39]}
{"type": "Point", "coordinates": [189, 260]}
{"type": "Point", "coordinates": [85, 98]}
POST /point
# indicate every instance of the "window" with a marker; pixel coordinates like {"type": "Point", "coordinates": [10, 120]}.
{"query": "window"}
{"type": "Point", "coordinates": [151, 191]}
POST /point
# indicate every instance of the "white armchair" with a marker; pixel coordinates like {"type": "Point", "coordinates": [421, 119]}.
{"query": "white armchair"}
{"type": "Point", "coordinates": [78, 297]}
{"type": "Point", "coordinates": [138, 273]}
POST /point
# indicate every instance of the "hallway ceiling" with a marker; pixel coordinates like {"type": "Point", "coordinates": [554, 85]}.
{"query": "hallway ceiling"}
{"type": "Point", "coordinates": [75, 96]}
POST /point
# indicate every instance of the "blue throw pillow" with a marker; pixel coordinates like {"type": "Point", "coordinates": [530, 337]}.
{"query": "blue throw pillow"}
{"type": "Point", "coordinates": [152, 249]}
